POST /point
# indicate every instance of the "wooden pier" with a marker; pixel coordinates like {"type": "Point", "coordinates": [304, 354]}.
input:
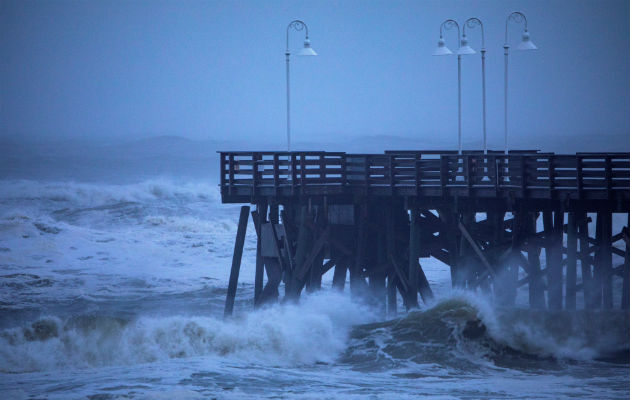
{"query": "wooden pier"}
{"type": "Point", "coordinates": [376, 216]}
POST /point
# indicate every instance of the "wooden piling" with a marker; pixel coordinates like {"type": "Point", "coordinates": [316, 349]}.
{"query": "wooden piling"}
{"type": "Point", "coordinates": [449, 234]}
{"type": "Point", "coordinates": [379, 273]}
{"type": "Point", "coordinates": [340, 274]}
{"type": "Point", "coordinates": [236, 261]}
{"type": "Point", "coordinates": [625, 291]}
{"type": "Point", "coordinates": [314, 280]}
{"type": "Point", "coordinates": [510, 274]}
{"type": "Point", "coordinates": [588, 284]}
{"type": "Point", "coordinates": [390, 248]}
{"type": "Point", "coordinates": [316, 269]}
{"type": "Point", "coordinates": [357, 281]}
{"type": "Point", "coordinates": [414, 251]}
{"type": "Point", "coordinates": [570, 299]}
{"type": "Point", "coordinates": [304, 243]}
{"type": "Point", "coordinates": [536, 287]}
{"type": "Point", "coordinates": [548, 247]}
{"type": "Point", "coordinates": [259, 217]}
{"type": "Point", "coordinates": [423, 285]}
{"type": "Point", "coordinates": [605, 260]}
{"type": "Point", "coordinates": [554, 263]}
{"type": "Point", "coordinates": [597, 265]}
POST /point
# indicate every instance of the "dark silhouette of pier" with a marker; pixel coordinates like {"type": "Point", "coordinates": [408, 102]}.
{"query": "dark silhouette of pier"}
{"type": "Point", "coordinates": [376, 216]}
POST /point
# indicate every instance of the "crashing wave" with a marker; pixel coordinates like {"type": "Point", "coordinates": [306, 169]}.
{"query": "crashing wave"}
{"type": "Point", "coordinates": [466, 332]}
{"type": "Point", "coordinates": [313, 331]}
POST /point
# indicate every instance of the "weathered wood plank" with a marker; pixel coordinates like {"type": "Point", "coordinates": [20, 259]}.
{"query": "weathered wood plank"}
{"type": "Point", "coordinates": [414, 254]}
{"type": "Point", "coordinates": [570, 297]}
{"type": "Point", "coordinates": [236, 261]}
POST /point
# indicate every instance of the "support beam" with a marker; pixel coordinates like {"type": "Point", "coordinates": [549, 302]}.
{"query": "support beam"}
{"type": "Point", "coordinates": [316, 269]}
{"type": "Point", "coordinates": [378, 276]}
{"type": "Point", "coordinates": [548, 245]}
{"type": "Point", "coordinates": [316, 272]}
{"type": "Point", "coordinates": [414, 255]}
{"type": "Point", "coordinates": [357, 281]}
{"type": "Point", "coordinates": [597, 267]}
{"type": "Point", "coordinates": [590, 300]}
{"type": "Point", "coordinates": [236, 261]}
{"type": "Point", "coordinates": [625, 291]}
{"type": "Point", "coordinates": [509, 276]}
{"type": "Point", "coordinates": [570, 298]}
{"type": "Point", "coordinates": [466, 272]}
{"type": "Point", "coordinates": [303, 245]}
{"type": "Point", "coordinates": [605, 261]}
{"type": "Point", "coordinates": [423, 286]}
{"type": "Point", "coordinates": [554, 263]}
{"type": "Point", "coordinates": [312, 255]}
{"type": "Point", "coordinates": [340, 274]}
{"type": "Point", "coordinates": [390, 248]}
{"type": "Point", "coordinates": [328, 265]}
{"type": "Point", "coordinates": [400, 277]}
{"type": "Point", "coordinates": [450, 238]}
{"type": "Point", "coordinates": [536, 288]}
{"type": "Point", "coordinates": [259, 217]}
{"type": "Point", "coordinates": [476, 249]}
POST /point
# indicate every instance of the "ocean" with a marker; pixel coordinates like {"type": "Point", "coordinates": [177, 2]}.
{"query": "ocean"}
{"type": "Point", "coordinates": [116, 291]}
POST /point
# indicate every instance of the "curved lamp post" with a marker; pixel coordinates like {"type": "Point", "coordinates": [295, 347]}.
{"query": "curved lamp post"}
{"type": "Point", "coordinates": [305, 51]}
{"type": "Point", "coordinates": [525, 44]}
{"type": "Point", "coordinates": [471, 23]}
{"type": "Point", "coordinates": [442, 50]}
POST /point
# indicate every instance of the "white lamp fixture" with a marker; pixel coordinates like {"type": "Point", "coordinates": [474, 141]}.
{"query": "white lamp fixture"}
{"type": "Point", "coordinates": [464, 48]}
{"type": "Point", "coordinates": [307, 50]}
{"type": "Point", "coordinates": [442, 50]}
{"type": "Point", "coordinates": [526, 43]}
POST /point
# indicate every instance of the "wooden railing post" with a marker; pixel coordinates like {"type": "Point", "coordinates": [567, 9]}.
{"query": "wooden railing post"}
{"type": "Point", "coordinates": [523, 163]}
{"type": "Point", "coordinates": [344, 172]}
{"type": "Point", "coordinates": [366, 172]}
{"type": "Point", "coordinates": [579, 177]}
{"type": "Point", "coordinates": [293, 172]}
{"type": "Point", "coordinates": [444, 172]}
{"type": "Point", "coordinates": [497, 174]}
{"type": "Point", "coordinates": [231, 174]}
{"type": "Point", "coordinates": [391, 174]}
{"type": "Point", "coordinates": [608, 177]}
{"type": "Point", "coordinates": [323, 164]}
{"type": "Point", "coordinates": [255, 173]}
{"type": "Point", "coordinates": [418, 173]}
{"type": "Point", "coordinates": [469, 173]}
{"type": "Point", "coordinates": [551, 170]}
{"type": "Point", "coordinates": [302, 173]}
{"type": "Point", "coordinates": [222, 174]}
{"type": "Point", "coordinates": [276, 173]}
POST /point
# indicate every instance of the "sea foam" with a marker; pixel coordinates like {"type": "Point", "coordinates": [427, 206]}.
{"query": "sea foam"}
{"type": "Point", "coordinates": [290, 334]}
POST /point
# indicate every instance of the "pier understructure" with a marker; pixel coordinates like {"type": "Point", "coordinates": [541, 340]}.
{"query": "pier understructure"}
{"type": "Point", "coordinates": [498, 221]}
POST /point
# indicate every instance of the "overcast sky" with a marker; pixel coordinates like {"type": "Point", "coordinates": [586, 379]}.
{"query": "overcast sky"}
{"type": "Point", "coordinates": [215, 69]}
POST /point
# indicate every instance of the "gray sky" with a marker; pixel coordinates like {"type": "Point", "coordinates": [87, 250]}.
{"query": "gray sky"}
{"type": "Point", "coordinates": [215, 69]}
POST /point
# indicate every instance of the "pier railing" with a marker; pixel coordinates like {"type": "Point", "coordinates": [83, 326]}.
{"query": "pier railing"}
{"type": "Point", "coordinates": [425, 173]}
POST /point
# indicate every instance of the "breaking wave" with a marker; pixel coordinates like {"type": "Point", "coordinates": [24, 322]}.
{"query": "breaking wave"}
{"type": "Point", "coordinates": [92, 195]}
{"type": "Point", "coordinates": [461, 333]}
{"type": "Point", "coordinates": [467, 332]}
{"type": "Point", "coordinates": [314, 331]}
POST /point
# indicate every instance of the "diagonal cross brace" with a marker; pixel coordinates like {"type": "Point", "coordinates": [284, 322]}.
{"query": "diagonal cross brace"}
{"type": "Point", "coordinates": [475, 247]}
{"type": "Point", "coordinates": [317, 247]}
